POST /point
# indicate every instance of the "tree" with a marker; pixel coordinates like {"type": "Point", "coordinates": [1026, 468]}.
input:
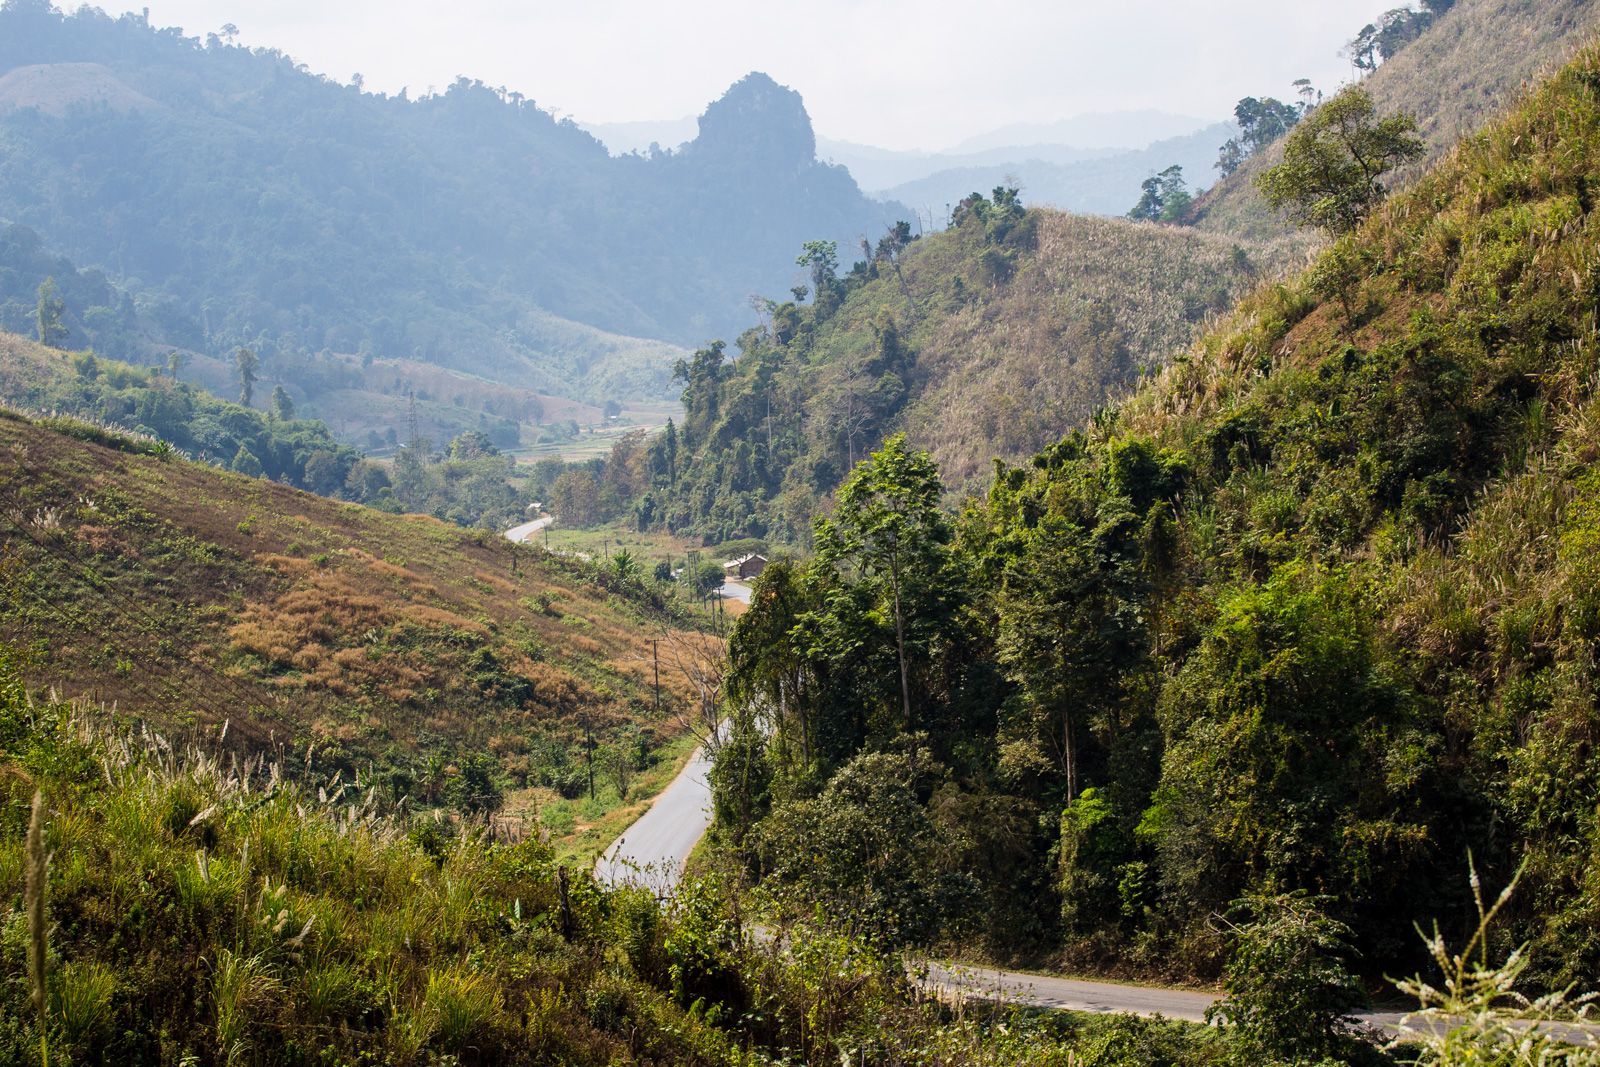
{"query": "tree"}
{"type": "Point", "coordinates": [821, 258]}
{"type": "Point", "coordinates": [625, 565]}
{"type": "Point", "coordinates": [176, 361]}
{"type": "Point", "coordinates": [245, 365]}
{"type": "Point", "coordinates": [470, 445]}
{"type": "Point", "coordinates": [324, 474]}
{"type": "Point", "coordinates": [245, 462]}
{"type": "Point", "coordinates": [1166, 197]}
{"type": "Point", "coordinates": [1334, 162]}
{"type": "Point", "coordinates": [767, 671]}
{"type": "Point", "coordinates": [51, 315]}
{"type": "Point", "coordinates": [888, 525]}
{"type": "Point", "coordinates": [475, 789]}
{"type": "Point", "coordinates": [1380, 41]}
{"type": "Point", "coordinates": [741, 781]}
{"type": "Point", "coordinates": [704, 577]}
{"type": "Point", "coordinates": [867, 850]}
{"type": "Point", "coordinates": [575, 497]}
{"type": "Point", "coordinates": [1261, 121]}
{"type": "Point", "coordinates": [282, 405]}
{"type": "Point", "coordinates": [669, 452]}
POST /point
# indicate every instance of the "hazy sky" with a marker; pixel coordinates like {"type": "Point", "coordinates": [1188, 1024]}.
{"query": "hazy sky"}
{"type": "Point", "coordinates": [896, 73]}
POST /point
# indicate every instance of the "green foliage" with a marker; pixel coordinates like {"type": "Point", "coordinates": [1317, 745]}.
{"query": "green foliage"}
{"type": "Point", "coordinates": [865, 856]}
{"type": "Point", "coordinates": [1261, 122]}
{"type": "Point", "coordinates": [221, 913]}
{"type": "Point", "coordinates": [1312, 612]}
{"type": "Point", "coordinates": [1289, 989]}
{"type": "Point", "coordinates": [1334, 162]}
{"type": "Point", "coordinates": [915, 344]}
{"type": "Point", "coordinates": [741, 782]}
{"type": "Point", "coordinates": [50, 315]}
{"type": "Point", "coordinates": [703, 577]}
{"type": "Point", "coordinates": [114, 394]}
{"type": "Point", "coordinates": [1380, 41]}
{"type": "Point", "coordinates": [1166, 198]}
{"type": "Point", "coordinates": [888, 530]}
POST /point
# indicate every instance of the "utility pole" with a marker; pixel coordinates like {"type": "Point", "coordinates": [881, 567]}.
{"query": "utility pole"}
{"type": "Point", "coordinates": [655, 655]}
{"type": "Point", "coordinates": [588, 751]}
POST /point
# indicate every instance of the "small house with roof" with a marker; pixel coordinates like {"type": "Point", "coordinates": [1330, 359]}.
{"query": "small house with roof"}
{"type": "Point", "coordinates": [745, 567]}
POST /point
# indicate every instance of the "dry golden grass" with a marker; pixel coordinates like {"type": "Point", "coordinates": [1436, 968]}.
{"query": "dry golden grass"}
{"type": "Point", "coordinates": [1454, 79]}
{"type": "Point", "coordinates": [174, 589]}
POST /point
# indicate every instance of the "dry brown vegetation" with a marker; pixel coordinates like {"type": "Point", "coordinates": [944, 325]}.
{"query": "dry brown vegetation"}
{"type": "Point", "coordinates": [1454, 79]}
{"type": "Point", "coordinates": [191, 596]}
{"type": "Point", "coordinates": [1100, 301]}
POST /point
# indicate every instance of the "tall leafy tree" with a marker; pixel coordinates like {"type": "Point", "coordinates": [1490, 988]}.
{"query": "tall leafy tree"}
{"type": "Point", "coordinates": [245, 366]}
{"type": "Point", "coordinates": [888, 527]}
{"type": "Point", "coordinates": [51, 315]}
{"type": "Point", "coordinates": [282, 403]}
{"type": "Point", "coordinates": [1166, 197]}
{"type": "Point", "coordinates": [1261, 121]}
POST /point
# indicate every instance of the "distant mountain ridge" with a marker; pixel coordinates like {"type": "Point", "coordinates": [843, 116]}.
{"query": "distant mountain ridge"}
{"type": "Point", "coordinates": [1104, 183]}
{"type": "Point", "coordinates": [1100, 129]}
{"type": "Point", "coordinates": [1092, 163]}
{"type": "Point", "coordinates": [468, 228]}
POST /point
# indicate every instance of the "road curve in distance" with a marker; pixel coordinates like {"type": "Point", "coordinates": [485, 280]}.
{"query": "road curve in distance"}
{"type": "Point", "coordinates": [1069, 994]}
{"type": "Point", "coordinates": [520, 534]}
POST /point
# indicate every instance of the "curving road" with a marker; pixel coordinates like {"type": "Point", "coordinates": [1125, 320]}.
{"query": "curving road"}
{"type": "Point", "coordinates": [655, 849]}
{"type": "Point", "coordinates": [520, 534]}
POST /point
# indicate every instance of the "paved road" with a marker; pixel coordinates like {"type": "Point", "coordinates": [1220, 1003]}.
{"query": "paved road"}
{"type": "Point", "coordinates": [1042, 991]}
{"type": "Point", "coordinates": [735, 591]}
{"type": "Point", "coordinates": [654, 850]}
{"type": "Point", "coordinates": [520, 534]}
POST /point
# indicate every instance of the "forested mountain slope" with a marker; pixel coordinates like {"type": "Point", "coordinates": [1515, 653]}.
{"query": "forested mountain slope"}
{"type": "Point", "coordinates": [467, 227]}
{"type": "Point", "coordinates": [1315, 610]}
{"type": "Point", "coordinates": [982, 341]}
{"type": "Point", "coordinates": [193, 597]}
{"type": "Point", "coordinates": [1453, 79]}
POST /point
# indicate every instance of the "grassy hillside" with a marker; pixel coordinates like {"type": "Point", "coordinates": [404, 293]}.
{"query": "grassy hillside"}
{"type": "Point", "coordinates": [982, 341]}
{"type": "Point", "coordinates": [1314, 611]}
{"type": "Point", "coordinates": [366, 400]}
{"type": "Point", "coordinates": [402, 647]}
{"type": "Point", "coordinates": [1454, 79]}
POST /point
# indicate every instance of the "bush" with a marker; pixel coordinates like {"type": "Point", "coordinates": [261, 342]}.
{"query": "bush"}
{"type": "Point", "coordinates": [1289, 992]}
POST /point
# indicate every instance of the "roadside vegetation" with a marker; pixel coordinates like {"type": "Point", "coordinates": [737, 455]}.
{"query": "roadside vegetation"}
{"type": "Point", "coordinates": [163, 902]}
